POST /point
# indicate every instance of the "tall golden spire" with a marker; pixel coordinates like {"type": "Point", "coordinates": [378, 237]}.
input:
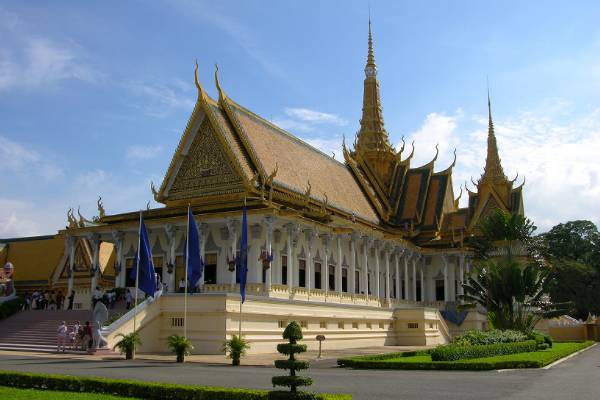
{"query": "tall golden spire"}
{"type": "Point", "coordinates": [372, 135]}
{"type": "Point", "coordinates": [493, 168]}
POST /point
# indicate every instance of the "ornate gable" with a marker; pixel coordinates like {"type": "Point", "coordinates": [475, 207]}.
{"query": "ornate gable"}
{"type": "Point", "coordinates": [206, 169]}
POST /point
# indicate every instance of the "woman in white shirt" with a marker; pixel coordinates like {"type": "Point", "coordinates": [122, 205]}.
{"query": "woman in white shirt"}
{"type": "Point", "coordinates": [61, 336]}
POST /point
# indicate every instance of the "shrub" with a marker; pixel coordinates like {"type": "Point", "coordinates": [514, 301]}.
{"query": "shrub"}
{"type": "Point", "coordinates": [141, 390]}
{"type": "Point", "coordinates": [236, 348]}
{"type": "Point", "coordinates": [128, 343]}
{"type": "Point", "coordinates": [475, 337]}
{"type": "Point", "coordinates": [540, 338]}
{"type": "Point", "coordinates": [293, 333]}
{"type": "Point", "coordinates": [453, 352]}
{"type": "Point", "coordinates": [180, 345]}
{"type": "Point", "coordinates": [10, 307]}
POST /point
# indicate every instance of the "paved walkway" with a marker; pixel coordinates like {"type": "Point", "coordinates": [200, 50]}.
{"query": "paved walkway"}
{"type": "Point", "coordinates": [577, 378]}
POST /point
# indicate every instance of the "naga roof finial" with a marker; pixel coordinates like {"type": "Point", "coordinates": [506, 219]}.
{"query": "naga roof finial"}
{"type": "Point", "coordinates": [197, 81]}
{"type": "Point", "coordinates": [222, 95]}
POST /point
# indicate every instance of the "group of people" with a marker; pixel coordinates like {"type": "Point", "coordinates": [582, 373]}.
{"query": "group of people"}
{"type": "Point", "coordinates": [47, 300]}
{"type": "Point", "coordinates": [78, 337]}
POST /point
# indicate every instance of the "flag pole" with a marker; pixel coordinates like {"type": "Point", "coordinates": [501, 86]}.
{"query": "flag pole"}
{"type": "Point", "coordinates": [137, 274]}
{"type": "Point", "coordinates": [187, 261]}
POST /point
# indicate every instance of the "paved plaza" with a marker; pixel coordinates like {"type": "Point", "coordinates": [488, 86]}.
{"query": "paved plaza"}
{"type": "Point", "coordinates": [576, 377]}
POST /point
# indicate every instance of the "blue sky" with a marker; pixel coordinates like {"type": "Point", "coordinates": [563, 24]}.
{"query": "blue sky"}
{"type": "Point", "coordinates": [95, 95]}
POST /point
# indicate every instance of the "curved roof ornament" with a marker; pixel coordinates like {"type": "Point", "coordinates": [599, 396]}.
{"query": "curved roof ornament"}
{"type": "Point", "coordinates": [467, 188]}
{"type": "Point", "coordinates": [473, 182]}
{"type": "Point", "coordinates": [513, 181]}
{"type": "Point", "coordinates": [412, 152]}
{"type": "Point", "coordinates": [447, 170]}
{"type": "Point", "coordinates": [197, 81]}
{"type": "Point", "coordinates": [399, 153]}
{"type": "Point", "coordinates": [522, 184]}
{"type": "Point", "coordinates": [458, 198]}
{"type": "Point", "coordinates": [222, 95]}
{"type": "Point", "coordinates": [437, 152]}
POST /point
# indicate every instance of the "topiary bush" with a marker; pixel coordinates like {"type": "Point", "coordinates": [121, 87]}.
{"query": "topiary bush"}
{"type": "Point", "coordinates": [475, 337]}
{"type": "Point", "coordinates": [541, 339]}
{"type": "Point", "coordinates": [293, 333]}
{"type": "Point", "coordinates": [453, 352]}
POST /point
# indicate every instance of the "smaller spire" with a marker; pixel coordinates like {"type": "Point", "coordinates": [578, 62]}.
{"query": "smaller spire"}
{"type": "Point", "coordinates": [371, 55]}
{"type": "Point", "coordinates": [493, 167]}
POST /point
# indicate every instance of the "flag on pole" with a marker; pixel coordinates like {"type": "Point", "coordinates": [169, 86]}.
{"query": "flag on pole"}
{"type": "Point", "coordinates": [144, 266]}
{"type": "Point", "coordinates": [194, 262]}
{"type": "Point", "coordinates": [242, 269]}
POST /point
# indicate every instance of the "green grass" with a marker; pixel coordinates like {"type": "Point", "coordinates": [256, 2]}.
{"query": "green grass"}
{"type": "Point", "coordinates": [32, 394]}
{"type": "Point", "coordinates": [536, 359]}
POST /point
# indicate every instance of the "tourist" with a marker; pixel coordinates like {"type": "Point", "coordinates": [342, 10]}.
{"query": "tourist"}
{"type": "Point", "coordinates": [61, 336]}
{"type": "Point", "coordinates": [71, 299]}
{"type": "Point", "coordinates": [35, 298]}
{"type": "Point", "coordinates": [181, 285]}
{"type": "Point", "coordinates": [52, 301]}
{"type": "Point", "coordinates": [26, 301]}
{"type": "Point", "coordinates": [59, 300]}
{"type": "Point", "coordinates": [128, 299]}
{"type": "Point", "coordinates": [45, 300]}
{"type": "Point", "coordinates": [86, 341]}
{"type": "Point", "coordinates": [97, 296]}
{"type": "Point", "coordinates": [75, 335]}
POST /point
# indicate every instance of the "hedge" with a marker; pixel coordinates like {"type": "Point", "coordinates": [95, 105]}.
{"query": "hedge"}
{"type": "Point", "coordinates": [475, 337]}
{"type": "Point", "coordinates": [137, 389]}
{"type": "Point", "coordinates": [10, 307]}
{"type": "Point", "coordinates": [454, 352]}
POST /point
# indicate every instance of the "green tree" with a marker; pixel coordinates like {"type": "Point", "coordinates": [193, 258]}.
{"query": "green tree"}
{"type": "Point", "coordinates": [574, 240]}
{"type": "Point", "coordinates": [514, 295]}
{"type": "Point", "coordinates": [293, 333]}
{"type": "Point", "coordinates": [578, 284]}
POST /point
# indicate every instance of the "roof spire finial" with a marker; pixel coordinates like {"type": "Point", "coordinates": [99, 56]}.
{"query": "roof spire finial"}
{"type": "Point", "coordinates": [493, 167]}
{"type": "Point", "coordinates": [370, 55]}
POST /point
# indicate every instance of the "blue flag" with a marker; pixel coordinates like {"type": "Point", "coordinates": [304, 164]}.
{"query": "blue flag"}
{"type": "Point", "coordinates": [194, 263]}
{"type": "Point", "coordinates": [242, 263]}
{"type": "Point", "coordinates": [143, 269]}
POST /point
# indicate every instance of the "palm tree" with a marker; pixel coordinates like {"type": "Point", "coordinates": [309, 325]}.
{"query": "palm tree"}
{"type": "Point", "coordinates": [180, 345]}
{"type": "Point", "coordinates": [236, 347]}
{"type": "Point", "coordinates": [128, 343]}
{"type": "Point", "coordinates": [514, 295]}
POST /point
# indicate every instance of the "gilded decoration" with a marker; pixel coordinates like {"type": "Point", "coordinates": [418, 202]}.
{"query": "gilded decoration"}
{"type": "Point", "coordinates": [205, 170]}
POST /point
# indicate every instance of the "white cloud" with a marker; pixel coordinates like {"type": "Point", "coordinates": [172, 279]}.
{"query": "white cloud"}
{"type": "Point", "coordinates": [559, 160]}
{"type": "Point", "coordinates": [19, 159]}
{"type": "Point", "coordinates": [30, 61]}
{"type": "Point", "coordinates": [315, 117]}
{"type": "Point", "coordinates": [159, 100]}
{"type": "Point", "coordinates": [331, 146]}
{"type": "Point", "coordinates": [143, 152]}
{"type": "Point", "coordinates": [15, 219]}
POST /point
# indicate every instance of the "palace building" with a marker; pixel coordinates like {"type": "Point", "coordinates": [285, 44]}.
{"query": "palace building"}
{"type": "Point", "coordinates": [367, 251]}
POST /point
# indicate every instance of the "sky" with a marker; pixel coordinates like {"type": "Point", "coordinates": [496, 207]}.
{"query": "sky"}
{"type": "Point", "coordinates": [95, 95]}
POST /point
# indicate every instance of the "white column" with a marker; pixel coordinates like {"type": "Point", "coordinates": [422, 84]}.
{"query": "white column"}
{"type": "Point", "coordinates": [414, 277]}
{"type": "Point", "coordinates": [397, 254]}
{"type": "Point", "coordinates": [422, 280]}
{"type": "Point", "coordinates": [310, 236]}
{"type": "Point", "coordinates": [171, 232]}
{"type": "Point", "coordinates": [94, 240]}
{"type": "Point", "coordinates": [254, 249]}
{"type": "Point", "coordinates": [351, 276]}
{"type": "Point", "coordinates": [387, 274]}
{"type": "Point", "coordinates": [407, 255]}
{"type": "Point", "coordinates": [70, 243]}
{"type": "Point", "coordinates": [367, 243]}
{"type": "Point", "coordinates": [377, 277]}
{"type": "Point", "coordinates": [204, 230]}
{"type": "Point", "coordinates": [290, 262]}
{"type": "Point", "coordinates": [118, 239]}
{"type": "Point", "coordinates": [338, 267]}
{"type": "Point", "coordinates": [445, 261]}
{"type": "Point", "coordinates": [268, 222]}
{"type": "Point", "coordinates": [461, 274]}
{"type": "Point", "coordinates": [326, 238]}
{"type": "Point", "coordinates": [232, 230]}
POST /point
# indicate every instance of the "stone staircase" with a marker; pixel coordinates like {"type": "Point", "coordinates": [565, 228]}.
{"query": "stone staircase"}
{"type": "Point", "coordinates": [35, 330]}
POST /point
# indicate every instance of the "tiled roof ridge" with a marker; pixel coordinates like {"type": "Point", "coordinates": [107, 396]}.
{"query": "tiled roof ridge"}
{"type": "Point", "coordinates": [285, 133]}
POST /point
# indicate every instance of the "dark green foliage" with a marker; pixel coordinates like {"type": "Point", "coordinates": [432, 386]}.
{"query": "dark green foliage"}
{"type": "Point", "coordinates": [180, 345]}
{"type": "Point", "coordinates": [542, 346]}
{"type": "Point", "coordinates": [540, 339]}
{"type": "Point", "coordinates": [138, 389]}
{"type": "Point", "coordinates": [573, 249]}
{"type": "Point", "coordinates": [235, 348]}
{"type": "Point", "coordinates": [289, 348]}
{"type": "Point", "coordinates": [293, 333]}
{"type": "Point", "coordinates": [284, 395]}
{"type": "Point", "coordinates": [296, 364]}
{"type": "Point", "coordinates": [475, 337]}
{"type": "Point", "coordinates": [453, 352]}
{"type": "Point", "coordinates": [128, 344]}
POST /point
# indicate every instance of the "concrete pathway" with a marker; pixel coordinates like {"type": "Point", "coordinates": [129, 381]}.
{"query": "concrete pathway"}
{"type": "Point", "coordinates": [576, 378]}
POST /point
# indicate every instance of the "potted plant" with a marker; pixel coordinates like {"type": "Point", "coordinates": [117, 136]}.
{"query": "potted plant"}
{"type": "Point", "coordinates": [128, 343]}
{"type": "Point", "coordinates": [180, 345]}
{"type": "Point", "coordinates": [235, 348]}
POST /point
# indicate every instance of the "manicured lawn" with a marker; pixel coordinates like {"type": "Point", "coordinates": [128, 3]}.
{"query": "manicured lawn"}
{"type": "Point", "coordinates": [32, 394]}
{"type": "Point", "coordinates": [535, 359]}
